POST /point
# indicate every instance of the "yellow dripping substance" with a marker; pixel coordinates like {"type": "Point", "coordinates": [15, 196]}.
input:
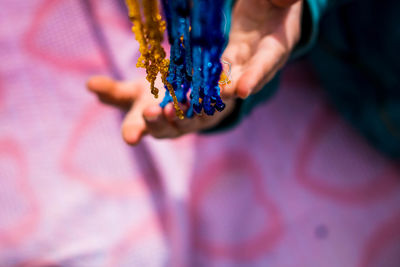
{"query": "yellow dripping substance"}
{"type": "Point", "coordinates": [149, 34]}
{"type": "Point", "coordinates": [224, 79]}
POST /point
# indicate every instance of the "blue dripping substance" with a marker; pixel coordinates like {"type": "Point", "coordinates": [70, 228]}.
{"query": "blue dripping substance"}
{"type": "Point", "coordinates": [197, 34]}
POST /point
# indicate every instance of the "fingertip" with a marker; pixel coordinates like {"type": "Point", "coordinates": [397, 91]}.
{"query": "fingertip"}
{"type": "Point", "coordinates": [153, 112]}
{"type": "Point", "coordinates": [243, 94]}
{"type": "Point", "coordinates": [169, 112]}
{"type": "Point", "coordinates": [132, 134]}
{"type": "Point", "coordinates": [99, 83]}
{"type": "Point", "coordinates": [244, 87]}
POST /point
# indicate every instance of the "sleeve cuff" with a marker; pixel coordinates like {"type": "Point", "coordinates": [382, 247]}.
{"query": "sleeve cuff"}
{"type": "Point", "coordinates": [313, 10]}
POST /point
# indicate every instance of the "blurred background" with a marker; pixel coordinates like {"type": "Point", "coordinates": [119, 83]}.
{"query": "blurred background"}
{"type": "Point", "coordinates": [293, 185]}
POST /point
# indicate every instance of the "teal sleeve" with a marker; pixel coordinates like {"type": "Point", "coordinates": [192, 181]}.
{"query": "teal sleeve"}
{"type": "Point", "coordinates": [313, 11]}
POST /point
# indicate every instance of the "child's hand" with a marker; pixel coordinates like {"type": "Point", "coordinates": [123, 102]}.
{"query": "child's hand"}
{"type": "Point", "coordinates": [145, 116]}
{"type": "Point", "coordinates": [263, 34]}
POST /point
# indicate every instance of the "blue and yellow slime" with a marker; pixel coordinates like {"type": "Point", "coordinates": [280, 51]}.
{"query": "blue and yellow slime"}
{"type": "Point", "coordinates": [197, 35]}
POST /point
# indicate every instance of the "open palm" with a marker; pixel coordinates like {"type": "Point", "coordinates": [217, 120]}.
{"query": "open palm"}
{"type": "Point", "coordinates": [262, 37]}
{"type": "Point", "coordinates": [263, 34]}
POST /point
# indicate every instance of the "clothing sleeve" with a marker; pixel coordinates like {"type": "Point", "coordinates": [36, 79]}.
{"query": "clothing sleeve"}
{"type": "Point", "coordinates": [312, 13]}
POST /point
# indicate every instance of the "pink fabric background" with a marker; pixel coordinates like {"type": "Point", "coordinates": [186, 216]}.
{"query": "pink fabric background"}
{"type": "Point", "coordinates": [294, 185]}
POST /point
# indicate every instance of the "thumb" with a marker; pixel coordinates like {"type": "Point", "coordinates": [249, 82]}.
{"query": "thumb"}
{"type": "Point", "coordinates": [283, 3]}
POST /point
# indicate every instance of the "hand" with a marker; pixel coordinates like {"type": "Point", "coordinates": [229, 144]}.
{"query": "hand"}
{"type": "Point", "coordinates": [263, 34]}
{"type": "Point", "coordinates": [145, 116]}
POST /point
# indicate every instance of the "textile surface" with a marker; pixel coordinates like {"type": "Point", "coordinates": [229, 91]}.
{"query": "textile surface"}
{"type": "Point", "coordinates": [293, 185]}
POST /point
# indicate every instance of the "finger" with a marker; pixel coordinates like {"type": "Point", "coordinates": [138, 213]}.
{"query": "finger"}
{"type": "Point", "coordinates": [229, 90]}
{"type": "Point", "coordinates": [283, 3]}
{"type": "Point", "coordinates": [169, 112]}
{"type": "Point", "coordinates": [233, 56]}
{"type": "Point", "coordinates": [157, 124]}
{"type": "Point", "coordinates": [112, 92]}
{"type": "Point", "coordinates": [261, 68]}
{"type": "Point", "coordinates": [133, 127]}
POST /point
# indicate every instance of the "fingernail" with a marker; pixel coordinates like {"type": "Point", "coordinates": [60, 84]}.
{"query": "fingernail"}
{"type": "Point", "coordinates": [152, 118]}
{"type": "Point", "coordinates": [245, 95]}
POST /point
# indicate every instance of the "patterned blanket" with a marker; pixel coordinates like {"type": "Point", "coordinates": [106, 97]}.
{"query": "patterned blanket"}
{"type": "Point", "coordinates": [293, 186]}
